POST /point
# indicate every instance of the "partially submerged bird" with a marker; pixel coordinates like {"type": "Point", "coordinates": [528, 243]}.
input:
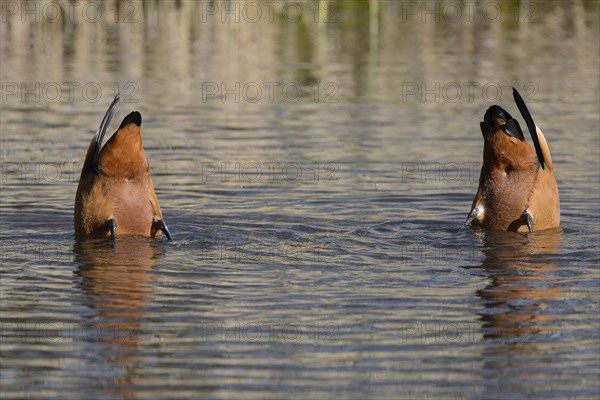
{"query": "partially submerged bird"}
{"type": "Point", "coordinates": [115, 195]}
{"type": "Point", "coordinates": [517, 188]}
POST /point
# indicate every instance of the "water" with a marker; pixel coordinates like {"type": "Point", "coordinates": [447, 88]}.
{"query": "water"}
{"type": "Point", "coordinates": [317, 247]}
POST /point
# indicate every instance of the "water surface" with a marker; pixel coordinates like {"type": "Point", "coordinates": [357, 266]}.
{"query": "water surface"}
{"type": "Point", "coordinates": [318, 249]}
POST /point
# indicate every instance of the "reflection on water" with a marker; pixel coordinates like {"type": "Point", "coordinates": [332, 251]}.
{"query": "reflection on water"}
{"type": "Point", "coordinates": [117, 285]}
{"type": "Point", "coordinates": [520, 269]}
{"type": "Point", "coordinates": [520, 310]}
{"type": "Point", "coordinates": [344, 248]}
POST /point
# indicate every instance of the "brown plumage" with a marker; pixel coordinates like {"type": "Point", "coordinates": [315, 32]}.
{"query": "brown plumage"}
{"type": "Point", "coordinates": [115, 195]}
{"type": "Point", "coordinates": [517, 188]}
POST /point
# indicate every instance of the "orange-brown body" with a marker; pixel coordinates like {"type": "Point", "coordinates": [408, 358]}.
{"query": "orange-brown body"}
{"type": "Point", "coordinates": [517, 188]}
{"type": "Point", "coordinates": [115, 195]}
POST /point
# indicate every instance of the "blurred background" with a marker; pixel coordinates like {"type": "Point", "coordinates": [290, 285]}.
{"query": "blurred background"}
{"type": "Point", "coordinates": [314, 161]}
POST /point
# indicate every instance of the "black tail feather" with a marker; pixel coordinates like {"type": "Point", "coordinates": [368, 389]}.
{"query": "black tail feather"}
{"type": "Point", "coordinates": [530, 126]}
{"type": "Point", "coordinates": [102, 130]}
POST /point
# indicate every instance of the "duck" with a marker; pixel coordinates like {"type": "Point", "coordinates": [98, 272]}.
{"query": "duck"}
{"type": "Point", "coordinates": [517, 187]}
{"type": "Point", "coordinates": [115, 194]}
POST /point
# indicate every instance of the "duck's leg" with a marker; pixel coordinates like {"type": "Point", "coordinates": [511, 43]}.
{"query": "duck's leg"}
{"type": "Point", "coordinates": [472, 215]}
{"type": "Point", "coordinates": [529, 220]}
{"type": "Point", "coordinates": [112, 225]}
{"type": "Point", "coordinates": [159, 224]}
